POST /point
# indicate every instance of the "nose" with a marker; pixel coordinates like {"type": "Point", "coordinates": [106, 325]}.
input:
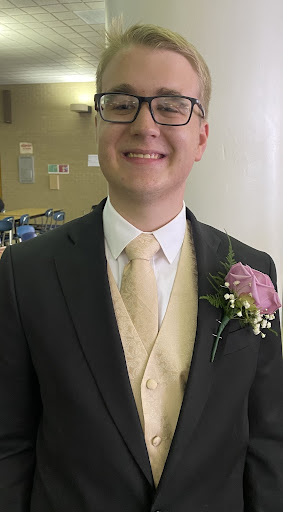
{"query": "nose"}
{"type": "Point", "coordinates": [144, 124]}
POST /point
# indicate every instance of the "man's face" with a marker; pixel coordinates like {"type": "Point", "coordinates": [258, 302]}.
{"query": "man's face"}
{"type": "Point", "coordinates": [173, 149]}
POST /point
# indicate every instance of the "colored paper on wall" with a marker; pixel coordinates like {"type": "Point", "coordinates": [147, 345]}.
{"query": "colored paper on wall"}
{"type": "Point", "coordinates": [26, 148]}
{"type": "Point", "coordinates": [63, 169]}
{"type": "Point", "coordinates": [53, 168]}
{"type": "Point", "coordinates": [93, 161]}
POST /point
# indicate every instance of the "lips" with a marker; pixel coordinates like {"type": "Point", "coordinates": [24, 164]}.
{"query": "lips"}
{"type": "Point", "coordinates": [150, 155]}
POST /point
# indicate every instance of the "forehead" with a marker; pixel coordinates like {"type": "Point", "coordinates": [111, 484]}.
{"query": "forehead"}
{"type": "Point", "coordinates": [146, 71]}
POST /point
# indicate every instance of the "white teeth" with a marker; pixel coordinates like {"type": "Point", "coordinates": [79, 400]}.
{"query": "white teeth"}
{"type": "Point", "coordinates": [147, 155]}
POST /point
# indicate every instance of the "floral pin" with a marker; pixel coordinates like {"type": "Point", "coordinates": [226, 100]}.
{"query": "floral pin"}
{"type": "Point", "coordinates": [244, 294]}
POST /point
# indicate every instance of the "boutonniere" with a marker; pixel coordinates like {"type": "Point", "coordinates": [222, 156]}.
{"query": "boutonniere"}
{"type": "Point", "coordinates": [244, 294]}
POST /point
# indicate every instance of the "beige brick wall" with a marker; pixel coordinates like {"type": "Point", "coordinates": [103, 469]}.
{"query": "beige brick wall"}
{"type": "Point", "coordinates": [41, 115]}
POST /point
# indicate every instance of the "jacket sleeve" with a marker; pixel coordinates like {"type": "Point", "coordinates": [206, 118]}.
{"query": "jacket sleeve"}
{"type": "Point", "coordinates": [263, 477]}
{"type": "Point", "coordinates": [19, 400]}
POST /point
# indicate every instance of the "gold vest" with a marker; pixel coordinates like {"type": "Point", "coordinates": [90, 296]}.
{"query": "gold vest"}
{"type": "Point", "coordinates": [158, 379]}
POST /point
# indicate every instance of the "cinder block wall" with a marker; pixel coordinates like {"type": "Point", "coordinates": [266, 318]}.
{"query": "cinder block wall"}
{"type": "Point", "coordinates": [41, 115]}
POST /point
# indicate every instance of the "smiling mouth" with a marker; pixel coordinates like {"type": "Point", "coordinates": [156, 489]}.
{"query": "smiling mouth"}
{"type": "Point", "coordinates": [154, 156]}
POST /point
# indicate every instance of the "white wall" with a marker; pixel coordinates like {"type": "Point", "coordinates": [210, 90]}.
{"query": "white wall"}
{"type": "Point", "coordinates": [239, 183]}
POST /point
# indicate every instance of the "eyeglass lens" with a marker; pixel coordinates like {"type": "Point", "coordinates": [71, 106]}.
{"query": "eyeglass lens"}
{"type": "Point", "coordinates": [166, 109]}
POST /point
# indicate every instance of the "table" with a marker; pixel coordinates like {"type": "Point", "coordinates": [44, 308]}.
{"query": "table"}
{"type": "Point", "coordinates": [32, 212]}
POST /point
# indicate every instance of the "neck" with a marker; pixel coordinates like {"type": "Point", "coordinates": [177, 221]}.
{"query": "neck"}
{"type": "Point", "coordinates": [149, 216]}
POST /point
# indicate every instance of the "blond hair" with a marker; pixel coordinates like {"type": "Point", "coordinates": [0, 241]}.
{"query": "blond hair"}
{"type": "Point", "coordinates": [154, 37]}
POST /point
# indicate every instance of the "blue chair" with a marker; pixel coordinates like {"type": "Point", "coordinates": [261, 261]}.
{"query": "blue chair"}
{"type": "Point", "coordinates": [22, 230]}
{"type": "Point", "coordinates": [59, 218]}
{"type": "Point", "coordinates": [28, 235]}
{"type": "Point", "coordinates": [9, 236]}
{"type": "Point", "coordinates": [10, 219]}
{"type": "Point", "coordinates": [5, 227]}
{"type": "Point", "coordinates": [46, 225]}
{"type": "Point", "coordinates": [24, 219]}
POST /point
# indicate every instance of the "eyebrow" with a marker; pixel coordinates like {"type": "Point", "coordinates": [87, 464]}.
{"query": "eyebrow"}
{"type": "Point", "coordinates": [124, 88]}
{"type": "Point", "coordinates": [129, 89]}
{"type": "Point", "coordinates": [168, 92]}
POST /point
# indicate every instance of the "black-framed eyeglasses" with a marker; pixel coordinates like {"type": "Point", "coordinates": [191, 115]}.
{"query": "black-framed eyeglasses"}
{"type": "Point", "coordinates": [117, 107]}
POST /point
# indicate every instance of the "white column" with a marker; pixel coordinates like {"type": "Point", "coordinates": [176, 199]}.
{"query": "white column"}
{"type": "Point", "coordinates": [238, 186]}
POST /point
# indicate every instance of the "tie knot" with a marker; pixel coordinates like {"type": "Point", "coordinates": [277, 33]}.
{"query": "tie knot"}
{"type": "Point", "coordinates": [143, 247]}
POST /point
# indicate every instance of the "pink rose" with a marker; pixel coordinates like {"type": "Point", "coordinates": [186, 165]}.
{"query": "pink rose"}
{"type": "Point", "coordinates": [243, 279]}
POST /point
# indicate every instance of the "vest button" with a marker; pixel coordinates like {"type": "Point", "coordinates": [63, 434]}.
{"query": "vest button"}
{"type": "Point", "coordinates": [151, 384]}
{"type": "Point", "coordinates": [156, 441]}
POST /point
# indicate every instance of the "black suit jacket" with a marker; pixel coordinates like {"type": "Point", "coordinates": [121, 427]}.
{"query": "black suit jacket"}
{"type": "Point", "coordinates": [70, 436]}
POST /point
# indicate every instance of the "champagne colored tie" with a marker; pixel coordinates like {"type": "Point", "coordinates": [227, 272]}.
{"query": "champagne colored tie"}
{"type": "Point", "coordinates": [139, 288]}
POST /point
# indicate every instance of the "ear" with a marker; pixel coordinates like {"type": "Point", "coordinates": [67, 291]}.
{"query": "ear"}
{"type": "Point", "coordinates": [203, 136]}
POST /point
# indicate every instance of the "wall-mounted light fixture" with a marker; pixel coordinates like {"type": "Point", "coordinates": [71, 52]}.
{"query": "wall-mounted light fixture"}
{"type": "Point", "coordinates": [80, 107]}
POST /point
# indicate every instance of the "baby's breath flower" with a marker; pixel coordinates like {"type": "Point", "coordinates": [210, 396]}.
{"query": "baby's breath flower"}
{"type": "Point", "coordinates": [263, 335]}
{"type": "Point", "coordinates": [264, 324]}
{"type": "Point", "coordinates": [232, 296]}
{"type": "Point", "coordinates": [226, 284]}
{"type": "Point", "coordinates": [227, 296]}
{"type": "Point", "coordinates": [268, 325]}
{"type": "Point", "coordinates": [236, 283]}
{"type": "Point", "coordinates": [239, 313]}
{"type": "Point", "coordinates": [246, 304]}
{"type": "Point", "coordinates": [232, 306]}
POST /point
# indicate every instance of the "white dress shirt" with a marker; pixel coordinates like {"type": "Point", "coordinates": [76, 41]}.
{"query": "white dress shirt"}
{"type": "Point", "coordinates": [119, 232]}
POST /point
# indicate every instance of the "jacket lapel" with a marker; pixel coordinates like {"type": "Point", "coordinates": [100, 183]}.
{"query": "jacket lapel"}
{"type": "Point", "coordinates": [209, 253]}
{"type": "Point", "coordinates": [81, 269]}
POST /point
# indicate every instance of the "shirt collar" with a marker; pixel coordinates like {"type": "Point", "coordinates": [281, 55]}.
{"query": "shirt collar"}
{"type": "Point", "coordinates": [119, 232]}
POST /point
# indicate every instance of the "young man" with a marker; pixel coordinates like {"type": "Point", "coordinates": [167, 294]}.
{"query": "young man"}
{"type": "Point", "coordinates": [104, 408]}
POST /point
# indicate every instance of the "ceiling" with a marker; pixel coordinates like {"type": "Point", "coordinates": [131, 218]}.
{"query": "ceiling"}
{"type": "Point", "coordinates": [49, 41]}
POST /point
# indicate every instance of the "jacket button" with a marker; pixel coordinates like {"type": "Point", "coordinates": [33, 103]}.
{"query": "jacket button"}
{"type": "Point", "coordinates": [156, 442]}
{"type": "Point", "coordinates": [151, 384]}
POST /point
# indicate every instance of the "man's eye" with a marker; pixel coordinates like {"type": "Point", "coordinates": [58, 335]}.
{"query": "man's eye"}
{"type": "Point", "coordinates": [168, 108]}
{"type": "Point", "coordinates": [121, 106]}
{"type": "Point", "coordinates": [173, 108]}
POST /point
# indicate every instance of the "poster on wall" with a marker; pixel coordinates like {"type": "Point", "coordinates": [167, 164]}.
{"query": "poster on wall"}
{"type": "Point", "coordinates": [26, 148]}
{"type": "Point", "coordinates": [58, 169]}
{"type": "Point", "coordinates": [63, 169]}
{"type": "Point", "coordinates": [53, 169]}
{"type": "Point", "coordinates": [93, 161]}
